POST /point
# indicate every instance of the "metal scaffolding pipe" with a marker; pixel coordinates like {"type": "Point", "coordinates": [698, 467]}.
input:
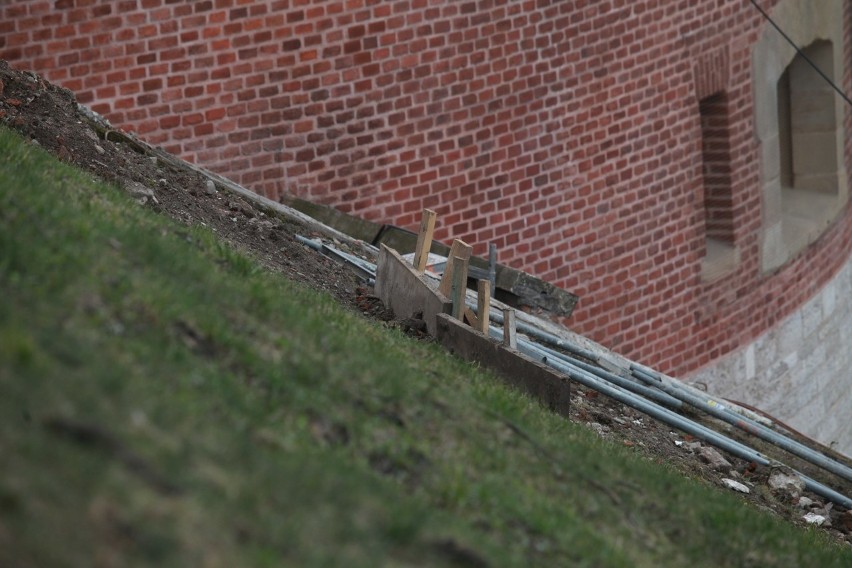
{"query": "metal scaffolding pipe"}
{"type": "Point", "coordinates": [555, 341]}
{"type": "Point", "coordinates": [671, 418]}
{"type": "Point", "coordinates": [628, 398]}
{"type": "Point", "coordinates": [623, 382]}
{"type": "Point", "coordinates": [825, 491]}
{"type": "Point", "coordinates": [548, 338]}
{"type": "Point", "coordinates": [316, 245]}
{"type": "Point", "coordinates": [721, 412]}
{"type": "Point", "coordinates": [364, 269]}
{"type": "Point", "coordinates": [616, 387]}
{"type": "Point", "coordinates": [653, 393]}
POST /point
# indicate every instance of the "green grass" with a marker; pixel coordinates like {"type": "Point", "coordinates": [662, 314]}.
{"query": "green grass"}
{"type": "Point", "coordinates": [166, 402]}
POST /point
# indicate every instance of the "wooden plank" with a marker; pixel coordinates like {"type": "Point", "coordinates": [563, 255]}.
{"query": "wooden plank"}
{"type": "Point", "coordinates": [550, 387]}
{"type": "Point", "coordinates": [509, 338]}
{"type": "Point", "coordinates": [424, 239]}
{"type": "Point", "coordinates": [458, 292]}
{"type": "Point", "coordinates": [471, 318]}
{"type": "Point", "coordinates": [407, 292]}
{"type": "Point", "coordinates": [460, 249]}
{"type": "Point", "coordinates": [483, 305]}
{"type": "Point", "coordinates": [492, 267]}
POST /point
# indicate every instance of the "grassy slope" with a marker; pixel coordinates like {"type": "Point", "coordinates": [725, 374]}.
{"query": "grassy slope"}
{"type": "Point", "coordinates": [165, 402]}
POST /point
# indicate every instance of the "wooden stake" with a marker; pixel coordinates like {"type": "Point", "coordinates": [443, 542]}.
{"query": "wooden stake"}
{"type": "Point", "coordinates": [472, 319]}
{"type": "Point", "coordinates": [483, 304]}
{"type": "Point", "coordinates": [509, 339]}
{"type": "Point", "coordinates": [424, 239]}
{"type": "Point", "coordinates": [492, 267]}
{"type": "Point", "coordinates": [459, 249]}
{"type": "Point", "coordinates": [458, 293]}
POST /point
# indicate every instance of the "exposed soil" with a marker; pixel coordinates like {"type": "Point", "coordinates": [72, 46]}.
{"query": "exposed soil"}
{"type": "Point", "coordinates": [49, 116]}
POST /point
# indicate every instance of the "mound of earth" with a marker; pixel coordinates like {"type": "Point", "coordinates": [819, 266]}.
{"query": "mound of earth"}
{"type": "Point", "coordinates": [49, 116]}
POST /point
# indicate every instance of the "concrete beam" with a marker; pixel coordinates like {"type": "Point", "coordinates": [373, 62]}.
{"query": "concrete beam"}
{"type": "Point", "coordinates": [544, 384]}
{"type": "Point", "coordinates": [349, 224]}
{"type": "Point", "coordinates": [406, 292]}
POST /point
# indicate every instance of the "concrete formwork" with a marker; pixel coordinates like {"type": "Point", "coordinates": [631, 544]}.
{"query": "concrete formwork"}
{"type": "Point", "coordinates": [409, 293]}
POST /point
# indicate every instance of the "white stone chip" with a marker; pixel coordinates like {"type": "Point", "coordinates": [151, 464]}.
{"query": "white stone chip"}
{"type": "Point", "coordinates": [805, 503]}
{"type": "Point", "coordinates": [814, 519]}
{"type": "Point", "coordinates": [735, 485]}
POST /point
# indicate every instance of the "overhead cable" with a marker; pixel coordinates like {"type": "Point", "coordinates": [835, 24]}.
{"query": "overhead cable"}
{"type": "Point", "coordinates": [802, 53]}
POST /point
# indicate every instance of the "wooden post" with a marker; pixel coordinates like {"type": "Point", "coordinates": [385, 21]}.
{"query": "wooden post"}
{"type": "Point", "coordinates": [509, 339]}
{"type": "Point", "coordinates": [492, 267]}
{"type": "Point", "coordinates": [458, 293]}
{"type": "Point", "coordinates": [459, 249]}
{"type": "Point", "coordinates": [471, 318]}
{"type": "Point", "coordinates": [483, 304]}
{"type": "Point", "coordinates": [424, 239]}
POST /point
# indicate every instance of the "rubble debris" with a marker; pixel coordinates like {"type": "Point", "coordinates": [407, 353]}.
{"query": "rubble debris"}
{"type": "Point", "coordinates": [786, 482]}
{"type": "Point", "coordinates": [735, 485]}
{"type": "Point", "coordinates": [712, 457]}
{"type": "Point", "coordinates": [140, 192]}
{"type": "Point", "coordinates": [814, 519]}
{"type": "Point", "coordinates": [805, 503]}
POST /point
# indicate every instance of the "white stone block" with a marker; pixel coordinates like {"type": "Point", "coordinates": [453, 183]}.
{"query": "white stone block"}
{"type": "Point", "coordinates": [790, 335]}
{"type": "Point", "coordinates": [766, 351]}
{"type": "Point", "coordinates": [829, 300]}
{"type": "Point", "coordinates": [812, 316]}
{"type": "Point", "coordinates": [750, 363]}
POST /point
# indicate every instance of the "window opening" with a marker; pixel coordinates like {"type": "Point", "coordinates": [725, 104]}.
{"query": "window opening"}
{"type": "Point", "coordinates": [720, 254]}
{"type": "Point", "coordinates": [807, 139]}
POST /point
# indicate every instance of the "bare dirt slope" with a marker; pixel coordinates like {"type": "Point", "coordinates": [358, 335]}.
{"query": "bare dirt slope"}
{"type": "Point", "coordinates": [48, 116]}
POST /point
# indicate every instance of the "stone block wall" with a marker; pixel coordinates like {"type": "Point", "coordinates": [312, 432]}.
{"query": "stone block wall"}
{"type": "Point", "coordinates": [567, 132]}
{"type": "Point", "coordinates": [801, 370]}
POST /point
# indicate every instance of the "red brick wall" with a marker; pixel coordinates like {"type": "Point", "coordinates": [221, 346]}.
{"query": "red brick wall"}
{"type": "Point", "coordinates": [566, 131]}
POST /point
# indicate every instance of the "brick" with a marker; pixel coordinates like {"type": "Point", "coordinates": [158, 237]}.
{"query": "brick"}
{"type": "Point", "coordinates": [563, 139]}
